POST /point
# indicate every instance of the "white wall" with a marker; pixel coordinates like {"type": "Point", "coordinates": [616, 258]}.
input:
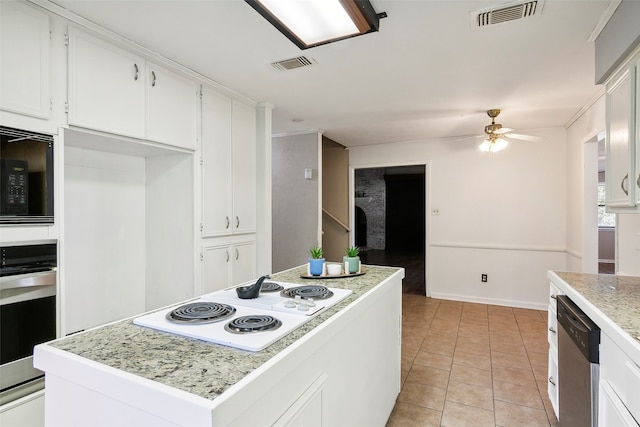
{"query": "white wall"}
{"type": "Point", "coordinates": [295, 200]}
{"type": "Point", "coordinates": [582, 233]}
{"type": "Point", "coordinates": [502, 214]}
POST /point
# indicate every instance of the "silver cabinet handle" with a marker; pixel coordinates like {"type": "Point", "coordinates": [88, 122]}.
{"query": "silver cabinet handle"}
{"type": "Point", "coordinates": [237, 254]}
{"type": "Point", "coordinates": [227, 252]}
{"type": "Point", "coordinates": [554, 296]}
{"type": "Point", "coordinates": [153, 79]}
{"type": "Point", "coordinates": [638, 181]}
{"type": "Point", "coordinates": [551, 329]}
{"type": "Point", "coordinates": [237, 222]}
{"type": "Point", "coordinates": [137, 73]}
{"type": "Point", "coordinates": [625, 179]}
{"type": "Point", "coordinates": [552, 381]}
{"type": "Point", "coordinates": [226, 218]}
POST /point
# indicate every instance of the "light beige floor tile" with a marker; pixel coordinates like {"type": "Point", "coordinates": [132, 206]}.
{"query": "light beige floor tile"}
{"type": "Point", "coordinates": [541, 373]}
{"type": "Point", "coordinates": [510, 360]}
{"type": "Point", "coordinates": [406, 361]}
{"type": "Point", "coordinates": [508, 347]}
{"type": "Point", "coordinates": [508, 414]}
{"type": "Point", "coordinates": [473, 376]}
{"type": "Point", "coordinates": [434, 360]}
{"type": "Point", "coordinates": [428, 375]}
{"type": "Point", "coordinates": [472, 360]}
{"type": "Point", "coordinates": [474, 331]}
{"type": "Point", "coordinates": [408, 415]}
{"type": "Point", "coordinates": [472, 347]}
{"type": "Point", "coordinates": [423, 395]}
{"type": "Point", "coordinates": [458, 415]}
{"type": "Point", "coordinates": [540, 359]}
{"type": "Point", "coordinates": [470, 395]}
{"type": "Point", "coordinates": [472, 338]}
{"type": "Point", "coordinates": [520, 395]}
{"type": "Point", "coordinates": [522, 377]}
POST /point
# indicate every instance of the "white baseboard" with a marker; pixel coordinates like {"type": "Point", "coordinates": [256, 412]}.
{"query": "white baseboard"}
{"type": "Point", "coordinates": [491, 301]}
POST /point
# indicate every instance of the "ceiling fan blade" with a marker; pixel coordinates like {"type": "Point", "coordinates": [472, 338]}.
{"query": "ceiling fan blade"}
{"type": "Point", "coordinates": [502, 131]}
{"type": "Point", "coordinates": [523, 137]}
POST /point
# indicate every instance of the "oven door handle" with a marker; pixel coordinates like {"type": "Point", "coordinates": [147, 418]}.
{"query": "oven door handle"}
{"type": "Point", "coordinates": [43, 278]}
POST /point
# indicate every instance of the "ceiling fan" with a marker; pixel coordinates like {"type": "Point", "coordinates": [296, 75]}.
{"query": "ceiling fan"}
{"type": "Point", "coordinates": [496, 135]}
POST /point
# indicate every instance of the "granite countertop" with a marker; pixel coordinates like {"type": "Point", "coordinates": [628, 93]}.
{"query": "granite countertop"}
{"type": "Point", "coordinates": [616, 297]}
{"type": "Point", "coordinates": [201, 368]}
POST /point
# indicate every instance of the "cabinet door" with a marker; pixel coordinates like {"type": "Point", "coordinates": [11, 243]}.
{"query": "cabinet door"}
{"type": "Point", "coordinates": [216, 163]}
{"type": "Point", "coordinates": [216, 268]}
{"type": "Point", "coordinates": [171, 107]}
{"type": "Point", "coordinates": [106, 86]}
{"type": "Point", "coordinates": [611, 410]}
{"type": "Point", "coordinates": [24, 60]}
{"type": "Point", "coordinates": [244, 262]}
{"type": "Point", "coordinates": [244, 168]}
{"type": "Point", "coordinates": [620, 140]}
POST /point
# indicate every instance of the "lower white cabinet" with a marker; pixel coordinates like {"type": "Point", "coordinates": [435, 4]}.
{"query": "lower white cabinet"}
{"type": "Point", "coordinates": [224, 265]}
{"type": "Point", "coordinates": [619, 385]}
{"type": "Point", "coordinates": [552, 334]}
{"type": "Point", "coordinates": [27, 411]}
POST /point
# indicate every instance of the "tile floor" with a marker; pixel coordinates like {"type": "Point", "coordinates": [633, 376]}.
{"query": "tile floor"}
{"type": "Point", "coordinates": [467, 364]}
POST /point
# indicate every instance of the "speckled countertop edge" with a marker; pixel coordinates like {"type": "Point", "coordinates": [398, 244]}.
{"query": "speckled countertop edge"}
{"type": "Point", "coordinates": [197, 367]}
{"type": "Point", "coordinates": [616, 297]}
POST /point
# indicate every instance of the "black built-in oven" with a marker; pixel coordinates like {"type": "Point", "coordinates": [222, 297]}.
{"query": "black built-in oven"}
{"type": "Point", "coordinates": [26, 177]}
{"type": "Point", "coordinates": [27, 314]}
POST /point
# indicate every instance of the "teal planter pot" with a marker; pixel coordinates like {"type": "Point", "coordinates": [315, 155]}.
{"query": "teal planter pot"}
{"type": "Point", "coordinates": [351, 264]}
{"type": "Point", "coordinates": [316, 266]}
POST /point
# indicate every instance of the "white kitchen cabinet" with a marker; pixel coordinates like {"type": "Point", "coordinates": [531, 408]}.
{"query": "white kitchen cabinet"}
{"type": "Point", "coordinates": [619, 382]}
{"type": "Point", "coordinates": [552, 335]}
{"type": "Point", "coordinates": [171, 107]}
{"type": "Point", "coordinates": [226, 265]}
{"type": "Point", "coordinates": [24, 60]}
{"type": "Point", "coordinates": [106, 86]}
{"type": "Point", "coordinates": [27, 411]}
{"type": "Point", "coordinates": [622, 141]}
{"type": "Point", "coordinates": [228, 165]}
{"type": "Point", "coordinates": [117, 91]}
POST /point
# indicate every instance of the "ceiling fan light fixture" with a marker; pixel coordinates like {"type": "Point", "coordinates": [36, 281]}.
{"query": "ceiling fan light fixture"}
{"type": "Point", "coordinates": [313, 23]}
{"type": "Point", "coordinates": [493, 144]}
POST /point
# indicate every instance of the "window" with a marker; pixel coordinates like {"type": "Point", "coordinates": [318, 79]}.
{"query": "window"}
{"type": "Point", "coordinates": [604, 219]}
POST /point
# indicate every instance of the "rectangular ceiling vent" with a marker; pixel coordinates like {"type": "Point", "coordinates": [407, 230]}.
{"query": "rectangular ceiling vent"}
{"type": "Point", "coordinates": [292, 63]}
{"type": "Point", "coordinates": [506, 13]}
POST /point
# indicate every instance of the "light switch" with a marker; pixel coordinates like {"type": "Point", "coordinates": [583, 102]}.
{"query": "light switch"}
{"type": "Point", "coordinates": [308, 173]}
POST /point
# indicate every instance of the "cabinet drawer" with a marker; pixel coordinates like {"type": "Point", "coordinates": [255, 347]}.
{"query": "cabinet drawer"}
{"type": "Point", "coordinates": [611, 410]}
{"type": "Point", "coordinates": [553, 292]}
{"type": "Point", "coordinates": [552, 330]}
{"type": "Point", "coordinates": [621, 373]}
{"type": "Point", "coordinates": [552, 381]}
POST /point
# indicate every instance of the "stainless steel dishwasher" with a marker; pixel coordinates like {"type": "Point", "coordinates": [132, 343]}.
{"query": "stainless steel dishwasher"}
{"type": "Point", "coordinates": [578, 366]}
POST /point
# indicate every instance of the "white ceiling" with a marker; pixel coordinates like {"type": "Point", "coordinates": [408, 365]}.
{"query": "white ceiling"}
{"type": "Point", "coordinates": [426, 73]}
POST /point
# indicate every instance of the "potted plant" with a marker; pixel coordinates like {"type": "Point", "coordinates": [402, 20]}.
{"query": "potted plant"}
{"type": "Point", "coordinates": [351, 261]}
{"type": "Point", "coordinates": [316, 261]}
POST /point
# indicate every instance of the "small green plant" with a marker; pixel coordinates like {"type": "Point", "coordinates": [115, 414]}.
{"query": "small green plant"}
{"type": "Point", "coordinates": [353, 251]}
{"type": "Point", "coordinates": [316, 252]}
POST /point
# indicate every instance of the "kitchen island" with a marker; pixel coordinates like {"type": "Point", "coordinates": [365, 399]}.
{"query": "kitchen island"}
{"type": "Point", "coordinates": [340, 368]}
{"type": "Point", "coordinates": [613, 303]}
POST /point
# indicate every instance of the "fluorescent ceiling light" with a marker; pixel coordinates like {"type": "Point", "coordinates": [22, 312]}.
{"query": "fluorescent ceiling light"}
{"type": "Point", "coordinates": [310, 23]}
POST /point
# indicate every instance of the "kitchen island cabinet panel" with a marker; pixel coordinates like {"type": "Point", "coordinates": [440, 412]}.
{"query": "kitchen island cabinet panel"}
{"type": "Point", "coordinates": [341, 368]}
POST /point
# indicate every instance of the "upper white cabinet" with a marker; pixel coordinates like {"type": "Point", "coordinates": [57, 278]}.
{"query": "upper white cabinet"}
{"type": "Point", "coordinates": [24, 60]}
{"type": "Point", "coordinates": [171, 107]}
{"type": "Point", "coordinates": [116, 91]}
{"type": "Point", "coordinates": [623, 140]}
{"type": "Point", "coordinates": [228, 165]}
{"type": "Point", "coordinates": [106, 86]}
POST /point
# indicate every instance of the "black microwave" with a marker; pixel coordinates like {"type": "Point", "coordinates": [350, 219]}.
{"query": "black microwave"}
{"type": "Point", "coordinates": [26, 177]}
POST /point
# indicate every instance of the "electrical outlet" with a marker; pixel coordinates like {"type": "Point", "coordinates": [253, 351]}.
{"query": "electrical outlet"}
{"type": "Point", "coordinates": [435, 211]}
{"type": "Point", "coordinates": [483, 277]}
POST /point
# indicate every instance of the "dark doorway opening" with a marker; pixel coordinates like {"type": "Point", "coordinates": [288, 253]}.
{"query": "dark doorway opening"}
{"type": "Point", "coordinates": [361, 228]}
{"type": "Point", "coordinates": [392, 202]}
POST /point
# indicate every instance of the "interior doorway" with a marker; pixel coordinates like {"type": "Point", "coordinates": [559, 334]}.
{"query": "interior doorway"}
{"type": "Point", "coordinates": [390, 220]}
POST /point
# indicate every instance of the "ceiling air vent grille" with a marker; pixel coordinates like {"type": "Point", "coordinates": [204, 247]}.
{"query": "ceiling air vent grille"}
{"type": "Point", "coordinates": [506, 13]}
{"type": "Point", "coordinates": [291, 64]}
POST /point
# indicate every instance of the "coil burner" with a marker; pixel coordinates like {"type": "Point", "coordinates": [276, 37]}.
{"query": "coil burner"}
{"type": "Point", "coordinates": [311, 291]}
{"type": "Point", "coordinates": [201, 312]}
{"type": "Point", "coordinates": [252, 323]}
{"type": "Point", "coordinates": [271, 287]}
